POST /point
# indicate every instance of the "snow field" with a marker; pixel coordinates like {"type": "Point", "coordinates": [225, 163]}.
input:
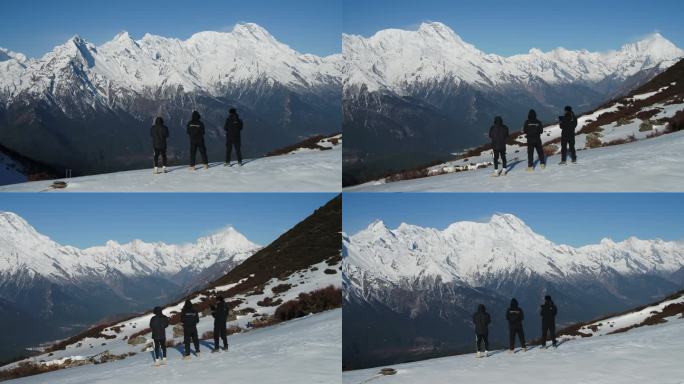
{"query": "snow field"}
{"type": "Point", "coordinates": [306, 171]}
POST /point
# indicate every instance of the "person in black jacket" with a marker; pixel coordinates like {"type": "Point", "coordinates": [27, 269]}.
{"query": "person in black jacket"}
{"type": "Point", "coordinates": [533, 129]}
{"type": "Point", "coordinates": [220, 314]}
{"type": "Point", "coordinates": [568, 123]}
{"type": "Point", "coordinates": [195, 129]}
{"type": "Point", "coordinates": [481, 320]}
{"type": "Point", "coordinates": [159, 133]}
{"type": "Point", "coordinates": [498, 133]}
{"type": "Point", "coordinates": [515, 317]}
{"type": "Point", "coordinates": [189, 319]}
{"type": "Point", "coordinates": [158, 324]}
{"type": "Point", "coordinates": [548, 315]}
{"type": "Point", "coordinates": [233, 128]}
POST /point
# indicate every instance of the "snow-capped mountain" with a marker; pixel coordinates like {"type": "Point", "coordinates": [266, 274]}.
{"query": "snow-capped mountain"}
{"type": "Point", "coordinates": [66, 287]}
{"type": "Point", "coordinates": [27, 252]}
{"type": "Point", "coordinates": [400, 61]}
{"type": "Point", "coordinates": [299, 270]}
{"type": "Point", "coordinates": [83, 93]}
{"type": "Point", "coordinates": [410, 291]}
{"type": "Point", "coordinates": [415, 97]}
{"type": "Point", "coordinates": [477, 254]}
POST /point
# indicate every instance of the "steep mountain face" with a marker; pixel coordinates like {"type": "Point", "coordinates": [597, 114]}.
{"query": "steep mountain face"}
{"type": "Point", "coordinates": [410, 291]}
{"type": "Point", "coordinates": [66, 287]}
{"type": "Point", "coordinates": [431, 91]}
{"type": "Point", "coordinates": [92, 106]}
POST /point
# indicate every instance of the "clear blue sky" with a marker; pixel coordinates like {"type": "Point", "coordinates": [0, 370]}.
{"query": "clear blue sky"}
{"type": "Point", "coordinates": [34, 27]}
{"type": "Point", "coordinates": [574, 219]}
{"type": "Point", "coordinates": [89, 219]}
{"type": "Point", "coordinates": [510, 27]}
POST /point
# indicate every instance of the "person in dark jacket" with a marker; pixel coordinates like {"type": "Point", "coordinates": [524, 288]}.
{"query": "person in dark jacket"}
{"type": "Point", "coordinates": [158, 324]}
{"type": "Point", "coordinates": [159, 133]}
{"type": "Point", "coordinates": [498, 133]}
{"type": "Point", "coordinates": [568, 123]}
{"type": "Point", "coordinates": [220, 314]}
{"type": "Point", "coordinates": [189, 319]}
{"type": "Point", "coordinates": [515, 317]}
{"type": "Point", "coordinates": [533, 129]}
{"type": "Point", "coordinates": [233, 128]}
{"type": "Point", "coordinates": [548, 315]}
{"type": "Point", "coordinates": [481, 320]}
{"type": "Point", "coordinates": [195, 129]}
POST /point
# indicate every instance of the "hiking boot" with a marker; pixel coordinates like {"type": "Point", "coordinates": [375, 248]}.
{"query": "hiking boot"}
{"type": "Point", "coordinates": [530, 169]}
{"type": "Point", "coordinates": [543, 166]}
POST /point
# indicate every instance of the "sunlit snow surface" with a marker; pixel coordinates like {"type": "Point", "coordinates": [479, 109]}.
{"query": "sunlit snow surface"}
{"type": "Point", "coordinates": [651, 165]}
{"type": "Point", "coordinates": [306, 350]}
{"type": "Point", "coordinates": [309, 171]}
{"type": "Point", "coordinates": [651, 354]}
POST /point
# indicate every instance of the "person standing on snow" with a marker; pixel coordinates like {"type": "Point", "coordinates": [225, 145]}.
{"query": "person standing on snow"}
{"type": "Point", "coordinates": [233, 128]}
{"type": "Point", "coordinates": [189, 319]}
{"type": "Point", "coordinates": [159, 133]}
{"type": "Point", "coordinates": [533, 129]}
{"type": "Point", "coordinates": [481, 320]}
{"type": "Point", "coordinates": [548, 315]}
{"type": "Point", "coordinates": [158, 324]}
{"type": "Point", "coordinates": [515, 317]}
{"type": "Point", "coordinates": [568, 123]}
{"type": "Point", "coordinates": [220, 314]}
{"type": "Point", "coordinates": [195, 130]}
{"type": "Point", "coordinates": [498, 133]}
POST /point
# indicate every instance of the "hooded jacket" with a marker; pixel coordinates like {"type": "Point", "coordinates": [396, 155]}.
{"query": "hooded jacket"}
{"type": "Point", "coordinates": [533, 128]}
{"type": "Point", "coordinates": [195, 128]}
{"type": "Point", "coordinates": [548, 310]}
{"type": "Point", "coordinates": [189, 316]}
{"type": "Point", "coordinates": [514, 314]}
{"type": "Point", "coordinates": [499, 134]}
{"type": "Point", "coordinates": [220, 314]}
{"type": "Point", "coordinates": [568, 123]}
{"type": "Point", "coordinates": [481, 319]}
{"type": "Point", "coordinates": [233, 126]}
{"type": "Point", "coordinates": [158, 324]}
{"type": "Point", "coordinates": [159, 133]}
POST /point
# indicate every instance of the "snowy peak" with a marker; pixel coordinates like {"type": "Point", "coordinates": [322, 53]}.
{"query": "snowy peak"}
{"type": "Point", "coordinates": [400, 60]}
{"type": "Point", "coordinates": [654, 45]}
{"type": "Point", "coordinates": [476, 252]}
{"type": "Point", "coordinates": [26, 249]}
{"type": "Point", "coordinates": [208, 62]}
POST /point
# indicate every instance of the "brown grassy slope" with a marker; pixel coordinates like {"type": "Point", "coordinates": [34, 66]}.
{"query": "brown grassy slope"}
{"type": "Point", "coordinates": [573, 330]}
{"type": "Point", "coordinates": [310, 143]}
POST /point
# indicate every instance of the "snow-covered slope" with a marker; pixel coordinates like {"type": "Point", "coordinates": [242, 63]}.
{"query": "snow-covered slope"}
{"type": "Point", "coordinates": [475, 254]}
{"type": "Point", "coordinates": [644, 166]}
{"type": "Point", "coordinates": [25, 252]}
{"type": "Point", "coordinates": [626, 348]}
{"type": "Point", "coordinates": [305, 350]}
{"type": "Point", "coordinates": [304, 171]}
{"type": "Point", "coordinates": [648, 354]}
{"type": "Point", "coordinates": [399, 60]}
{"type": "Point", "coordinates": [207, 61]}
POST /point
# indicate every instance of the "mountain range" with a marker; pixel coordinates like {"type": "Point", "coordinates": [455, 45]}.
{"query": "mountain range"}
{"type": "Point", "coordinates": [91, 106]}
{"type": "Point", "coordinates": [410, 291]}
{"type": "Point", "coordinates": [63, 287]}
{"type": "Point", "coordinates": [411, 97]}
